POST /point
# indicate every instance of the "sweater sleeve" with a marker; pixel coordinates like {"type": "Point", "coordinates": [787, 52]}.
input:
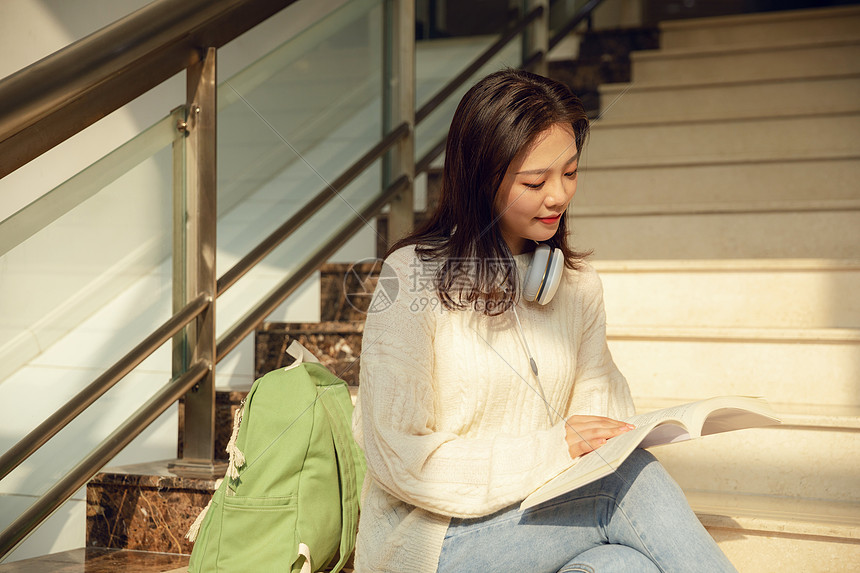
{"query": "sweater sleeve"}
{"type": "Point", "coordinates": [599, 388]}
{"type": "Point", "coordinates": [407, 455]}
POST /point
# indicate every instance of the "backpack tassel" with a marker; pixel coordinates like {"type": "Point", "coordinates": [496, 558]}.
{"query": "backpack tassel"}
{"type": "Point", "coordinates": [237, 458]}
{"type": "Point", "coordinates": [194, 530]}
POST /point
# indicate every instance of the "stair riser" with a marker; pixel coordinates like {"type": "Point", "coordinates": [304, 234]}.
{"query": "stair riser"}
{"type": "Point", "coordinates": [722, 298]}
{"type": "Point", "coordinates": [829, 234]}
{"type": "Point", "coordinates": [781, 139]}
{"type": "Point", "coordinates": [719, 184]}
{"type": "Point", "coordinates": [346, 290]}
{"type": "Point", "coordinates": [731, 101]}
{"type": "Point", "coordinates": [759, 30]}
{"type": "Point", "coordinates": [775, 299]}
{"type": "Point", "coordinates": [800, 62]}
{"type": "Point", "coordinates": [778, 462]}
{"type": "Point", "coordinates": [337, 349]}
{"type": "Point", "coordinates": [792, 371]}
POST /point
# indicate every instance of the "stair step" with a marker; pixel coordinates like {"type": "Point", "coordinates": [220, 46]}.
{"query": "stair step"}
{"type": "Point", "coordinates": [719, 183]}
{"type": "Point", "coordinates": [781, 461]}
{"type": "Point", "coordinates": [793, 59]}
{"type": "Point", "coordinates": [144, 507]}
{"type": "Point", "coordinates": [760, 139]}
{"type": "Point", "coordinates": [798, 366]}
{"type": "Point", "coordinates": [100, 560]}
{"type": "Point", "coordinates": [722, 208]}
{"type": "Point", "coordinates": [736, 100]}
{"type": "Point", "coordinates": [788, 462]}
{"type": "Point", "coordinates": [760, 29]}
{"type": "Point", "coordinates": [771, 533]}
{"type": "Point", "coordinates": [603, 57]}
{"type": "Point", "coordinates": [733, 293]}
{"type": "Point", "coordinates": [346, 290]}
{"type": "Point", "coordinates": [779, 514]}
{"type": "Point", "coordinates": [833, 416]}
{"type": "Point", "coordinates": [773, 461]}
{"type": "Point", "coordinates": [752, 235]}
{"type": "Point", "coordinates": [337, 345]}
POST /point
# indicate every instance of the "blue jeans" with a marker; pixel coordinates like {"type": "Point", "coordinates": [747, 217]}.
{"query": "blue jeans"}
{"type": "Point", "coordinates": [636, 519]}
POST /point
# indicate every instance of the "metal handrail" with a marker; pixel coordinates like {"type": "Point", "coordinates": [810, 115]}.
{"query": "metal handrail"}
{"type": "Point", "coordinates": [107, 450]}
{"type": "Point", "coordinates": [476, 64]}
{"type": "Point", "coordinates": [280, 234]}
{"type": "Point", "coordinates": [47, 102]}
{"type": "Point", "coordinates": [256, 315]}
{"type": "Point", "coordinates": [423, 164]}
{"type": "Point", "coordinates": [583, 13]}
{"type": "Point", "coordinates": [83, 399]}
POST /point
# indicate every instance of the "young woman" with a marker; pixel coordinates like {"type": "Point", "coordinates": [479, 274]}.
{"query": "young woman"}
{"type": "Point", "coordinates": [472, 394]}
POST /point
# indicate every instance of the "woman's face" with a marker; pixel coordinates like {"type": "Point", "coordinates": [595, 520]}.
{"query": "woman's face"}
{"type": "Point", "coordinates": [536, 189]}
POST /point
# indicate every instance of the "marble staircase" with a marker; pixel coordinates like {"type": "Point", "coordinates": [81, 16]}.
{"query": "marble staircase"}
{"type": "Point", "coordinates": [719, 195]}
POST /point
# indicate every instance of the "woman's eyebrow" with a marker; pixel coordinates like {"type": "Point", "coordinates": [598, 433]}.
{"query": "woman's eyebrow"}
{"type": "Point", "coordinates": [573, 158]}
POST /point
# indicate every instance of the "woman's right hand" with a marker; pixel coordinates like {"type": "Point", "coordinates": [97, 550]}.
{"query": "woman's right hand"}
{"type": "Point", "coordinates": [587, 433]}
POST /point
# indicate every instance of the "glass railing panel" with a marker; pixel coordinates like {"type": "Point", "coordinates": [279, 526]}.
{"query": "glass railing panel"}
{"type": "Point", "coordinates": [294, 120]}
{"type": "Point", "coordinates": [561, 12]}
{"type": "Point", "coordinates": [85, 273]}
{"type": "Point", "coordinates": [439, 61]}
{"type": "Point", "coordinates": [289, 125]}
{"type": "Point", "coordinates": [73, 250]}
{"type": "Point", "coordinates": [300, 246]}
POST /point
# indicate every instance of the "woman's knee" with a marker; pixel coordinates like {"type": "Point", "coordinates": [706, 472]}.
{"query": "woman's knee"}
{"type": "Point", "coordinates": [640, 458]}
{"type": "Point", "coordinates": [639, 463]}
{"type": "Point", "coordinates": [609, 559]}
{"type": "Point", "coordinates": [642, 477]}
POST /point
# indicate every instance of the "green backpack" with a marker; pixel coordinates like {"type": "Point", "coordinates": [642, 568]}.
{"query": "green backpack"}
{"type": "Point", "coordinates": [290, 499]}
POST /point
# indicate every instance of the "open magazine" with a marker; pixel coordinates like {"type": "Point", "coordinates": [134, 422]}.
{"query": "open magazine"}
{"type": "Point", "coordinates": [666, 426]}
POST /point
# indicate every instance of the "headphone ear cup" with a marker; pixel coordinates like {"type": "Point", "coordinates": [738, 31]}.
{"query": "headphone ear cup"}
{"type": "Point", "coordinates": [555, 269]}
{"type": "Point", "coordinates": [534, 279]}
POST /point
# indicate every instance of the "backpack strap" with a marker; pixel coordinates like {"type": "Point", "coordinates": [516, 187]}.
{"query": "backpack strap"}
{"type": "Point", "coordinates": [350, 459]}
{"type": "Point", "coordinates": [300, 354]}
{"type": "Point", "coordinates": [351, 466]}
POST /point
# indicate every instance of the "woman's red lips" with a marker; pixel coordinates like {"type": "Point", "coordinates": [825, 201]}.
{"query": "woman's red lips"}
{"type": "Point", "coordinates": [548, 220]}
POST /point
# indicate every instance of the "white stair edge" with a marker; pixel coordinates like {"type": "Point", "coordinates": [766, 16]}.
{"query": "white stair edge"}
{"type": "Point", "coordinates": [832, 416]}
{"type": "Point", "coordinates": [736, 49]}
{"type": "Point", "coordinates": [603, 124]}
{"type": "Point", "coordinates": [724, 265]}
{"type": "Point", "coordinates": [759, 18]}
{"type": "Point", "coordinates": [806, 517]}
{"type": "Point", "coordinates": [718, 208]}
{"type": "Point", "coordinates": [711, 160]}
{"type": "Point", "coordinates": [737, 334]}
{"type": "Point", "coordinates": [645, 86]}
{"type": "Point", "coordinates": [839, 416]}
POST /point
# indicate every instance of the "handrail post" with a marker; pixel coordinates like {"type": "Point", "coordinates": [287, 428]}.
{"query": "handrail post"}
{"type": "Point", "coordinates": [398, 96]}
{"type": "Point", "coordinates": [536, 37]}
{"type": "Point", "coordinates": [194, 267]}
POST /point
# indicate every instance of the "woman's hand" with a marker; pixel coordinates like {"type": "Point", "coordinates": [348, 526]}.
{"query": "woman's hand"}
{"type": "Point", "coordinates": [587, 433]}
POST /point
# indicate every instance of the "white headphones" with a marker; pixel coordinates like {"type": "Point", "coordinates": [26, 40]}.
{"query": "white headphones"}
{"type": "Point", "coordinates": [543, 275]}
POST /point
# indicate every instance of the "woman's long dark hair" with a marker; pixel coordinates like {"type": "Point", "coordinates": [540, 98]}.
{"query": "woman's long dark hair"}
{"type": "Point", "coordinates": [499, 117]}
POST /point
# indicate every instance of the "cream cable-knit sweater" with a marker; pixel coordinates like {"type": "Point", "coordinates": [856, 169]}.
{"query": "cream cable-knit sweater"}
{"type": "Point", "coordinates": [449, 415]}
